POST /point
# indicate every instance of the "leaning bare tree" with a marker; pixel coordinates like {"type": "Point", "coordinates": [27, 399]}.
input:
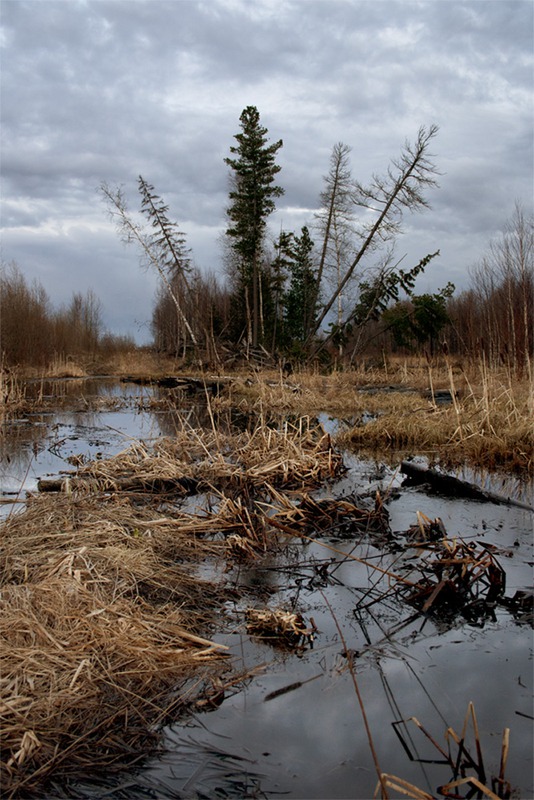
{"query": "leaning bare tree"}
{"type": "Point", "coordinates": [163, 250]}
{"type": "Point", "coordinates": [387, 198]}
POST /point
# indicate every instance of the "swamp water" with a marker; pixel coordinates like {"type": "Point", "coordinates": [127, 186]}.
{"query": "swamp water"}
{"type": "Point", "coordinates": [295, 729]}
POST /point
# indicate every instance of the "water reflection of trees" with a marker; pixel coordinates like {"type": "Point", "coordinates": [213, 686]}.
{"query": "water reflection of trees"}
{"type": "Point", "coordinates": [174, 410]}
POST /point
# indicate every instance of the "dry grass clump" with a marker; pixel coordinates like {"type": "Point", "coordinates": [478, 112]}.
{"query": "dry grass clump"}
{"type": "Point", "coordinates": [100, 623]}
{"type": "Point", "coordinates": [142, 363]}
{"type": "Point", "coordinates": [65, 367]}
{"type": "Point", "coordinates": [489, 419]}
{"type": "Point", "coordinates": [340, 516]}
{"type": "Point", "coordinates": [12, 393]}
{"type": "Point", "coordinates": [281, 627]}
{"type": "Point", "coordinates": [491, 424]}
{"type": "Point", "coordinates": [292, 456]}
{"type": "Point", "coordinates": [102, 607]}
{"type": "Point", "coordinates": [303, 393]}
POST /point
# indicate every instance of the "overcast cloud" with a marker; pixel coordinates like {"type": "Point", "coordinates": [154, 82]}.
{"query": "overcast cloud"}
{"type": "Point", "coordinates": [105, 90]}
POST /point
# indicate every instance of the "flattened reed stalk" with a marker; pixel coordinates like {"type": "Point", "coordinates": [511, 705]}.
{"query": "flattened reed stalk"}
{"type": "Point", "coordinates": [101, 620]}
{"type": "Point", "coordinates": [292, 456]}
{"type": "Point", "coordinates": [102, 614]}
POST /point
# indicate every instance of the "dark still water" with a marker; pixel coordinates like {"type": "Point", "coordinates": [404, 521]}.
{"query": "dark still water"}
{"type": "Point", "coordinates": [294, 727]}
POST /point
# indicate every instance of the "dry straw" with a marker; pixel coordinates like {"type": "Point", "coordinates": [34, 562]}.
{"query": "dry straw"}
{"type": "Point", "coordinates": [101, 621]}
{"type": "Point", "coordinates": [489, 420]}
{"type": "Point", "coordinates": [104, 615]}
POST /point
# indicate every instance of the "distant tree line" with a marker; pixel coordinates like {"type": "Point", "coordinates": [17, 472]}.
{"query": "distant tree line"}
{"type": "Point", "coordinates": [329, 293]}
{"type": "Point", "coordinates": [33, 332]}
{"type": "Point", "coordinates": [493, 319]}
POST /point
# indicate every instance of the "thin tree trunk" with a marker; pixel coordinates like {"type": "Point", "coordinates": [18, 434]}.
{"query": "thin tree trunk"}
{"type": "Point", "coordinates": [406, 195]}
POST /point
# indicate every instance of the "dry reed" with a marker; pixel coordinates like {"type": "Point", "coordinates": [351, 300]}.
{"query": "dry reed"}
{"type": "Point", "coordinates": [103, 612]}
{"type": "Point", "coordinates": [462, 754]}
{"type": "Point", "coordinates": [101, 621]}
{"type": "Point", "coordinates": [12, 393]}
{"type": "Point", "coordinates": [293, 456]}
{"type": "Point", "coordinates": [489, 420]}
{"type": "Point", "coordinates": [65, 367]}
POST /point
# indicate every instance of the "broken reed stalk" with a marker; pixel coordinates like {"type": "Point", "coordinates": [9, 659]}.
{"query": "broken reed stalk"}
{"type": "Point", "coordinates": [430, 380]}
{"type": "Point", "coordinates": [504, 754]}
{"type": "Point", "coordinates": [461, 749]}
{"type": "Point", "coordinates": [458, 763]}
{"type": "Point", "coordinates": [210, 411]}
{"type": "Point", "coordinates": [405, 788]}
{"type": "Point", "coordinates": [379, 772]}
{"type": "Point", "coordinates": [485, 391]}
{"type": "Point", "coordinates": [454, 397]}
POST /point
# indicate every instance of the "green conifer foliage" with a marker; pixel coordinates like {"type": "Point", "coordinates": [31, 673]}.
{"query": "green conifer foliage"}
{"type": "Point", "coordinates": [252, 199]}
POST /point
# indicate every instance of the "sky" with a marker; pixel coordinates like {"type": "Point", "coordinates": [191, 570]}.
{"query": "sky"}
{"type": "Point", "coordinates": [99, 91]}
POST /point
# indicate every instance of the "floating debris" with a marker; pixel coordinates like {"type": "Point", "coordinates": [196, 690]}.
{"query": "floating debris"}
{"type": "Point", "coordinates": [280, 627]}
{"type": "Point", "coordinates": [456, 576]}
{"type": "Point", "coordinates": [290, 688]}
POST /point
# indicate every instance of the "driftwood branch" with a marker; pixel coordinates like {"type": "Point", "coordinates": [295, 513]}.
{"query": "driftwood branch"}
{"type": "Point", "coordinates": [454, 487]}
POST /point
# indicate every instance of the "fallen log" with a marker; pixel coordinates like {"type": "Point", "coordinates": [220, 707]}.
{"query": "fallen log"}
{"type": "Point", "coordinates": [455, 487]}
{"type": "Point", "coordinates": [191, 385]}
{"type": "Point", "coordinates": [183, 485]}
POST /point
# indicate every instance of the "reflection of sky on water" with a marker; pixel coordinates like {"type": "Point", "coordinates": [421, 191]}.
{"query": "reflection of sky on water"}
{"type": "Point", "coordinates": [311, 742]}
{"type": "Point", "coordinates": [41, 447]}
{"type": "Point", "coordinates": [501, 483]}
{"type": "Point", "coordinates": [40, 444]}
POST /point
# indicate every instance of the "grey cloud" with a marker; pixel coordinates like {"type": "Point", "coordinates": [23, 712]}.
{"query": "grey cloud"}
{"type": "Point", "coordinates": [110, 89]}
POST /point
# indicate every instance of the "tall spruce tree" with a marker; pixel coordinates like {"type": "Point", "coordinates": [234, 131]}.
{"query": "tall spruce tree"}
{"type": "Point", "coordinates": [252, 201]}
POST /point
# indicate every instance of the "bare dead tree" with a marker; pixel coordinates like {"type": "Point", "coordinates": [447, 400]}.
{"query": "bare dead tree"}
{"type": "Point", "coordinates": [153, 254]}
{"type": "Point", "coordinates": [387, 198]}
{"type": "Point", "coordinates": [335, 220]}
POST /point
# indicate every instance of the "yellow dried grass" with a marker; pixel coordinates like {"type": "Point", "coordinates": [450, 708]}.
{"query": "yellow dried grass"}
{"type": "Point", "coordinates": [102, 613]}
{"type": "Point", "coordinates": [489, 421]}
{"type": "Point", "coordinates": [295, 455]}
{"type": "Point", "coordinates": [279, 626]}
{"type": "Point", "coordinates": [98, 626]}
{"type": "Point", "coordinates": [492, 427]}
